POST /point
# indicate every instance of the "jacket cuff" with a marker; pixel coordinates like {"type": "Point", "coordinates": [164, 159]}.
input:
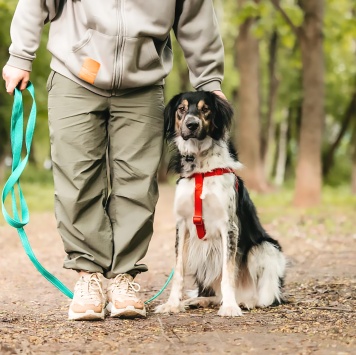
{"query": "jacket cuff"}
{"type": "Point", "coordinates": [20, 63]}
{"type": "Point", "coordinates": [210, 86]}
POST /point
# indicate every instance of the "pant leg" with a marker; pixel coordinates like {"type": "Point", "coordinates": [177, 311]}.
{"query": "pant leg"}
{"type": "Point", "coordinates": [78, 136]}
{"type": "Point", "coordinates": [136, 140]}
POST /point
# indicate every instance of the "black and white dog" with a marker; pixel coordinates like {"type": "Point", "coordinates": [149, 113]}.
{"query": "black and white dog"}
{"type": "Point", "coordinates": [220, 240]}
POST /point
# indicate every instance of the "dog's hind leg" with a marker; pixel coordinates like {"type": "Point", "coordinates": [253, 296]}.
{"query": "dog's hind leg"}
{"type": "Point", "coordinates": [174, 305]}
{"type": "Point", "coordinates": [266, 264]}
{"type": "Point", "coordinates": [229, 306]}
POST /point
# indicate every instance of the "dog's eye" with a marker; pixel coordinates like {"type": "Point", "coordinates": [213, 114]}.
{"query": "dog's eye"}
{"type": "Point", "coordinates": [181, 109]}
{"type": "Point", "coordinates": [205, 110]}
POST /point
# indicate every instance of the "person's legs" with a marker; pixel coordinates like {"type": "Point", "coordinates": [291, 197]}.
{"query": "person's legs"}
{"type": "Point", "coordinates": [78, 135]}
{"type": "Point", "coordinates": [136, 140]}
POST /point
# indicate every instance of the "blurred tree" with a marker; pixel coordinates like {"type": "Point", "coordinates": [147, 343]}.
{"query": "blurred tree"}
{"type": "Point", "coordinates": [310, 38]}
{"type": "Point", "coordinates": [353, 135]}
{"type": "Point", "coordinates": [276, 118]}
{"type": "Point", "coordinates": [248, 128]}
{"type": "Point", "coordinates": [340, 45]}
{"type": "Point", "coordinates": [348, 115]}
{"type": "Point", "coordinates": [353, 175]}
{"type": "Point", "coordinates": [268, 125]}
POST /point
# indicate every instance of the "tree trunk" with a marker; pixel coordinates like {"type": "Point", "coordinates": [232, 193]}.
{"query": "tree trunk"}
{"type": "Point", "coordinates": [248, 130]}
{"type": "Point", "coordinates": [353, 174]}
{"type": "Point", "coordinates": [353, 177]}
{"type": "Point", "coordinates": [268, 132]}
{"type": "Point", "coordinates": [282, 152]}
{"type": "Point", "coordinates": [348, 115]}
{"type": "Point", "coordinates": [309, 170]}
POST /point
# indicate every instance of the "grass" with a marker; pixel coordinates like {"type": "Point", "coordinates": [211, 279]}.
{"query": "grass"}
{"type": "Point", "coordinates": [338, 204]}
{"type": "Point", "coordinates": [334, 216]}
{"type": "Point", "coordinates": [332, 197]}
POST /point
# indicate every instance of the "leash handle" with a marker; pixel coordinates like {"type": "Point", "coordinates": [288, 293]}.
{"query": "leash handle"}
{"type": "Point", "coordinates": [18, 166]}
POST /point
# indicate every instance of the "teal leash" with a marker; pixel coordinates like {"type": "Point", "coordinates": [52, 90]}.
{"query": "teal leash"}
{"type": "Point", "coordinates": [18, 166]}
{"type": "Point", "coordinates": [162, 289]}
{"type": "Point", "coordinates": [17, 196]}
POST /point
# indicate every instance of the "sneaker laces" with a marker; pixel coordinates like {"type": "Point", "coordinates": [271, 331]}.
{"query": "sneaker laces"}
{"type": "Point", "coordinates": [122, 285]}
{"type": "Point", "coordinates": [89, 287]}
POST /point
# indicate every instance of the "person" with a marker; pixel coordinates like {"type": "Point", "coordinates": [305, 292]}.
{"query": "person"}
{"type": "Point", "coordinates": [105, 108]}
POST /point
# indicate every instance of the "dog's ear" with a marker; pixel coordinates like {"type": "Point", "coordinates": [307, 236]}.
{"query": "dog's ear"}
{"type": "Point", "coordinates": [222, 118]}
{"type": "Point", "coordinates": [170, 116]}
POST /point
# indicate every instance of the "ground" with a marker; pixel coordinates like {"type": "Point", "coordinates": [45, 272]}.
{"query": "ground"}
{"type": "Point", "coordinates": [320, 287]}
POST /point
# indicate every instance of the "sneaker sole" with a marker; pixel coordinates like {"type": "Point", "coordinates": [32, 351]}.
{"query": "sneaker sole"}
{"type": "Point", "coordinates": [88, 315]}
{"type": "Point", "coordinates": [128, 312]}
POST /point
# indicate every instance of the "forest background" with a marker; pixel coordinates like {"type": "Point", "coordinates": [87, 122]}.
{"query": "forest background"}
{"type": "Point", "coordinates": [290, 73]}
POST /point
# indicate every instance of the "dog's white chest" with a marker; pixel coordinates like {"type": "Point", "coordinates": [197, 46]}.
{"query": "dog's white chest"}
{"type": "Point", "coordinates": [184, 199]}
{"type": "Point", "coordinates": [218, 197]}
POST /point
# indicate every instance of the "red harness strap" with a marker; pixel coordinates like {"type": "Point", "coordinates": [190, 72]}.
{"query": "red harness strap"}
{"type": "Point", "coordinates": [198, 209]}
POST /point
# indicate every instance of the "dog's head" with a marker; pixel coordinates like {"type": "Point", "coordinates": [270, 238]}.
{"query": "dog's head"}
{"type": "Point", "coordinates": [197, 115]}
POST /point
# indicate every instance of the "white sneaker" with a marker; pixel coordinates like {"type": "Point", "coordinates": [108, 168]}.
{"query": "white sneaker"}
{"type": "Point", "coordinates": [89, 300]}
{"type": "Point", "coordinates": [122, 299]}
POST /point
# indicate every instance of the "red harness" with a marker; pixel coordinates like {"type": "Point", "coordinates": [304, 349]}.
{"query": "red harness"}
{"type": "Point", "coordinates": [198, 210]}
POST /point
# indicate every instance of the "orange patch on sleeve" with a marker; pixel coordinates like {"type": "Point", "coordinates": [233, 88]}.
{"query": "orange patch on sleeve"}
{"type": "Point", "coordinates": [89, 70]}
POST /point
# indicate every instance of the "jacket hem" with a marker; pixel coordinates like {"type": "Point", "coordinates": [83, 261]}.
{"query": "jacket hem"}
{"type": "Point", "coordinates": [58, 67]}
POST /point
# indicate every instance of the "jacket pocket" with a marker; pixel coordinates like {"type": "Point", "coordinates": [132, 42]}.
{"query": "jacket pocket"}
{"type": "Point", "coordinates": [92, 59]}
{"type": "Point", "coordinates": [141, 64]}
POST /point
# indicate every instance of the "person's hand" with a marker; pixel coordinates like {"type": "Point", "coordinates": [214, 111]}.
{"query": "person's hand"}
{"type": "Point", "coordinates": [15, 77]}
{"type": "Point", "coordinates": [220, 94]}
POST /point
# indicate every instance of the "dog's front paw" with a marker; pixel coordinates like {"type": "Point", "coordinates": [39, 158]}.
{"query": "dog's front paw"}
{"type": "Point", "coordinates": [230, 311]}
{"type": "Point", "coordinates": [169, 308]}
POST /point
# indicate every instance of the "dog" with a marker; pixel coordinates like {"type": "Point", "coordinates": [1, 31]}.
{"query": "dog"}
{"type": "Point", "coordinates": [219, 238]}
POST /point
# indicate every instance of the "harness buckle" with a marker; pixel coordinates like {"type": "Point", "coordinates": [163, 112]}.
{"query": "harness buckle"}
{"type": "Point", "coordinates": [198, 220]}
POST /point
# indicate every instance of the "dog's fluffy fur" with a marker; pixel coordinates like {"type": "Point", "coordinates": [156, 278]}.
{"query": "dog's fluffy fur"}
{"type": "Point", "coordinates": [237, 263]}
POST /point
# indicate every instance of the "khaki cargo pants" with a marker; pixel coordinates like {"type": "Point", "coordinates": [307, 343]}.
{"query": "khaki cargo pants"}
{"type": "Point", "coordinates": [105, 227]}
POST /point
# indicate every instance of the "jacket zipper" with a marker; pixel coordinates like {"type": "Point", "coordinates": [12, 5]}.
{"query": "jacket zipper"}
{"type": "Point", "coordinates": [118, 47]}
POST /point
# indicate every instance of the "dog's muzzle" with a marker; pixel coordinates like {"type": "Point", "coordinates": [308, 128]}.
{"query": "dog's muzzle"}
{"type": "Point", "coordinates": [190, 127]}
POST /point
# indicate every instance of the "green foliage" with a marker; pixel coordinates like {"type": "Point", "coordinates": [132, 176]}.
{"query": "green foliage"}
{"type": "Point", "coordinates": [249, 9]}
{"type": "Point", "coordinates": [38, 77]}
{"type": "Point", "coordinates": [339, 32]}
{"type": "Point", "coordinates": [5, 101]}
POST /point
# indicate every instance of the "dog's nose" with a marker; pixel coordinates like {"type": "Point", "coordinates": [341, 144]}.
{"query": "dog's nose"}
{"type": "Point", "coordinates": [192, 126]}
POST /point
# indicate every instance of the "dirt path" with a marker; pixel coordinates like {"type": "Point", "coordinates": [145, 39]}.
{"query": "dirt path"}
{"type": "Point", "coordinates": [320, 285]}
